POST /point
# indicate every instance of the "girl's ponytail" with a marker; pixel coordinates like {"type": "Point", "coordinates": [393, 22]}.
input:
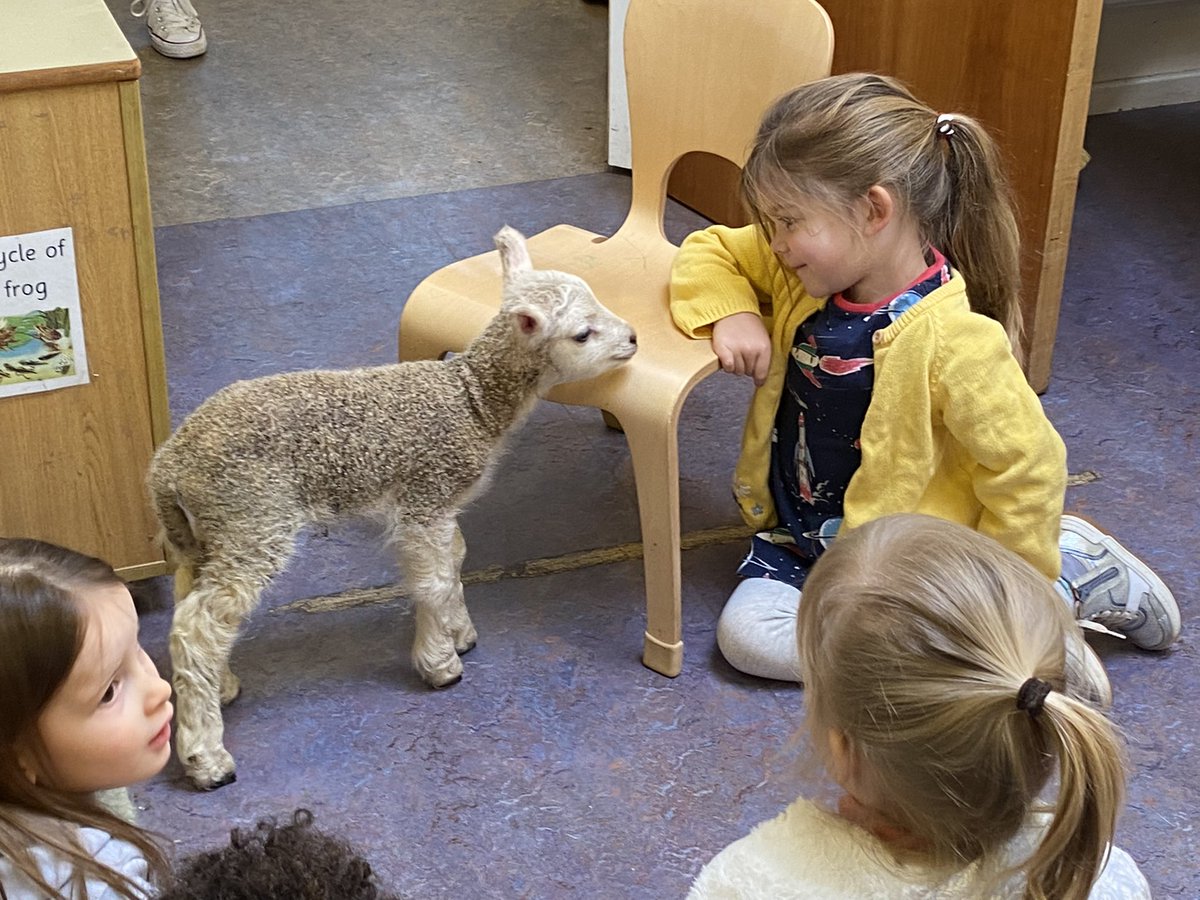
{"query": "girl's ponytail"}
{"type": "Point", "coordinates": [1090, 793]}
{"type": "Point", "coordinates": [976, 227]}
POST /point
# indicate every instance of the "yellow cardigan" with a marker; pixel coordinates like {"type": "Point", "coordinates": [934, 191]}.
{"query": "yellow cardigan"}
{"type": "Point", "coordinates": [953, 429]}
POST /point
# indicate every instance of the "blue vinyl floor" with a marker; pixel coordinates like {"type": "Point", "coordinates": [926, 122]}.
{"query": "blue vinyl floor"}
{"type": "Point", "coordinates": [560, 767]}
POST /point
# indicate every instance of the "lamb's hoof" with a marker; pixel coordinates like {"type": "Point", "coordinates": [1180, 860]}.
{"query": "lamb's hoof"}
{"type": "Point", "coordinates": [464, 638]}
{"type": "Point", "coordinates": [209, 771]}
{"type": "Point", "coordinates": [231, 688]}
{"type": "Point", "coordinates": [224, 780]}
{"type": "Point", "coordinates": [448, 673]}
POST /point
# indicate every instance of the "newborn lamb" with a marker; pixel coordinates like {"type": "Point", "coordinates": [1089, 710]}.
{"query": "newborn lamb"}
{"type": "Point", "coordinates": [408, 444]}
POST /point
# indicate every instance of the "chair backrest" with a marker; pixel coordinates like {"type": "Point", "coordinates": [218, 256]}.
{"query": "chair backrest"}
{"type": "Point", "coordinates": [700, 74]}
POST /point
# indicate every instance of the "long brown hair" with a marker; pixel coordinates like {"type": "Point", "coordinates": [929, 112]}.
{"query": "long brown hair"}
{"type": "Point", "coordinates": [916, 636]}
{"type": "Point", "coordinates": [831, 140]}
{"type": "Point", "coordinates": [42, 633]}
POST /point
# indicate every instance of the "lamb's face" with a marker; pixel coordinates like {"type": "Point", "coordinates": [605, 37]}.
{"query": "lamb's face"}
{"type": "Point", "coordinates": [559, 314]}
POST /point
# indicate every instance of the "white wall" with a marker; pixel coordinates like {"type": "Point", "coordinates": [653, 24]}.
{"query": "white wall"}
{"type": "Point", "coordinates": [618, 104]}
{"type": "Point", "coordinates": [1148, 55]}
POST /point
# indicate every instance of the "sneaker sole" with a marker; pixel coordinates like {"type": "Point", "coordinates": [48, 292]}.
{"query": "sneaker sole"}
{"type": "Point", "coordinates": [180, 51]}
{"type": "Point", "coordinates": [1095, 534]}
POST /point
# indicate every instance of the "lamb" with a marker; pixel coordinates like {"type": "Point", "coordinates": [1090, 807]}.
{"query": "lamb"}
{"type": "Point", "coordinates": [407, 444]}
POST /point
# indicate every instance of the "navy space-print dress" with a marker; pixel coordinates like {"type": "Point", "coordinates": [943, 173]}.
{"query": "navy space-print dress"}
{"type": "Point", "coordinates": [815, 445]}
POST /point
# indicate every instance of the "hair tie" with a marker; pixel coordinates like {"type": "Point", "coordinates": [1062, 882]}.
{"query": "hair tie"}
{"type": "Point", "coordinates": [945, 125]}
{"type": "Point", "coordinates": [1032, 695]}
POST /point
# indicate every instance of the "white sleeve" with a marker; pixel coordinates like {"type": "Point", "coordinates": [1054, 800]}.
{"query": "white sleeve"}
{"type": "Point", "coordinates": [57, 871]}
{"type": "Point", "coordinates": [1120, 879]}
{"type": "Point", "coordinates": [119, 856]}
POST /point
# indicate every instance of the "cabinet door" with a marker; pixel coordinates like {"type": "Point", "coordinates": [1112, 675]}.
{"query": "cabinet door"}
{"type": "Point", "coordinates": [74, 459]}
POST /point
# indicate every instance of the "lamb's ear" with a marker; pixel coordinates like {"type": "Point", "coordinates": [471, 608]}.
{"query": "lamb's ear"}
{"type": "Point", "coordinates": [530, 319]}
{"type": "Point", "coordinates": [514, 255]}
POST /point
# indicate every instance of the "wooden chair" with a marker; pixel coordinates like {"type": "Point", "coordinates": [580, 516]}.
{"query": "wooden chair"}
{"type": "Point", "coordinates": [700, 74]}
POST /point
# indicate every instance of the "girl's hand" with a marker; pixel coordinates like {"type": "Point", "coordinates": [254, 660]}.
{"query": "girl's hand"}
{"type": "Point", "coordinates": [743, 346]}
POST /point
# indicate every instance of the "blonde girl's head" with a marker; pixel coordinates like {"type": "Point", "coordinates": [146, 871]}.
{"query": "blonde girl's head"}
{"type": "Point", "coordinates": [918, 640]}
{"type": "Point", "coordinates": [46, 594]}
{"type": "Point", "coordinates": [828, 142]}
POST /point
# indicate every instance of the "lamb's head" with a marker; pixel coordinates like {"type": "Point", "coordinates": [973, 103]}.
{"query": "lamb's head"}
{"type": "Point", "coordinates": [558, 316]}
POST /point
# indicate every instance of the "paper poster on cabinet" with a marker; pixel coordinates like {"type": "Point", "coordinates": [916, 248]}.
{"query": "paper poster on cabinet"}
{"type": "Point", "coordinates": [41, 325]}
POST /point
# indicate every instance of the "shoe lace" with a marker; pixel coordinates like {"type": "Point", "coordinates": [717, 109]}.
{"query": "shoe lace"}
{"type": "Point", "coordinates": [1114, 618]}
{"type": "Point", "coordinates": [174, 12]}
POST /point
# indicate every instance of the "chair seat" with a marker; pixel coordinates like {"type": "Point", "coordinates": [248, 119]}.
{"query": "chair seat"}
{"type": "Point", "coordinates": [630, 277]}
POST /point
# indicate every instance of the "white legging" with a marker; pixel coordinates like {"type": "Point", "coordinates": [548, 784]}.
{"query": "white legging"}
{"type": "Point", "coordinates": [757, 629]}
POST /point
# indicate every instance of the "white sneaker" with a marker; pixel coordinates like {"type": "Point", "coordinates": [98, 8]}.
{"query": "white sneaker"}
{"type": "Point", "coordinates": [175, 29]}
{"type": "Point", "coordinates": [1114, 589]}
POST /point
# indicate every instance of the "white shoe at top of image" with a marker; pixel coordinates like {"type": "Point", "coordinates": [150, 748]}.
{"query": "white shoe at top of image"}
{"type": "Point", "coordinates": [174, 26]}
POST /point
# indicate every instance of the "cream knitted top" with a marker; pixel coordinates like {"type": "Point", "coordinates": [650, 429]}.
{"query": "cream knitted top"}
{"type": "Point", "coordinates": [807, 853]}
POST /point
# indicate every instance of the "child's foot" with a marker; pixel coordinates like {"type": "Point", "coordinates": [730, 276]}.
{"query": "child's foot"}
{"type": "Point", "coordinates": [1114, 589]}
{"type": "Point", "coordinates": [175, 29]}
{"type": "Point", "coordinates": [757, 629]}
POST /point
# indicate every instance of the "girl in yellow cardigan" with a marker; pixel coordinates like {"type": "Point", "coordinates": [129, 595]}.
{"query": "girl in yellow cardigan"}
{"type": "Point", "coordinates": [881, 387]}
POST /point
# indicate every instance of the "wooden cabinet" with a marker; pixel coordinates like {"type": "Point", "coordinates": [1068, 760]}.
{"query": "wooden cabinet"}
{"type": "Point", "coordinates": [73, 460]}
{"type": "Point", "coordinates": [1023, 67]}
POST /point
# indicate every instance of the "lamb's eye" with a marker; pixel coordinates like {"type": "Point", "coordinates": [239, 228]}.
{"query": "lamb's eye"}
{"type": "Point", "coordinates": [583, 336]}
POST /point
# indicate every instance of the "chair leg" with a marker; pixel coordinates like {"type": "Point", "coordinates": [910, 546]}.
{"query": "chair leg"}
{"type": "Point", "coordinates": [654, 447]}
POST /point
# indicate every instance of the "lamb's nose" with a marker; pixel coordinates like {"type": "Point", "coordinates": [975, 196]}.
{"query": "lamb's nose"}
{"type": "Point", "coordinates": [633, 337]}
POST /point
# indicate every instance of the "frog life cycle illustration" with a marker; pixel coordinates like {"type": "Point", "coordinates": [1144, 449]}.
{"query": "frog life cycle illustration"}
{"type": "Point", "coordinates": [41, 326]}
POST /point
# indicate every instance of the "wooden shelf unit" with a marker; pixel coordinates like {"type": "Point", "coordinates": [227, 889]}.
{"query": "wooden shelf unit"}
{"type": "Point", "coordinates": [74, 459]}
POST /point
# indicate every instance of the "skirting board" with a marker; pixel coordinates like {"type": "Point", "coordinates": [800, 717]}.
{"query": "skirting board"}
{"type": "Point", "coordinates": [1148, 55]}
{"type": "Point", "coordinates": [1144, 91]}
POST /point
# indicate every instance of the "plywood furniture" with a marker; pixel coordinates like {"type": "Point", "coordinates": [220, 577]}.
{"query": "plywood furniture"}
{"type": "Point", "coordinates": [1023, 67]}
{"type": "Point", "coordinates": [72, 153]}
{"type": "Point", "coordinates": [699, 75]}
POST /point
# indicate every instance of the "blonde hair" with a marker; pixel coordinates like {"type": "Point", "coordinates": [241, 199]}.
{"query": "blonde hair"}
{"type": "Point", "coordinates": [831, 140]}
{"type": "Point", "coordinates": [42, 630]}
{"type": "Point", "coordinates": [916, 636]}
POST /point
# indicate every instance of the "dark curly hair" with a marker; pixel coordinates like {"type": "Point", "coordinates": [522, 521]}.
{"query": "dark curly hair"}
{"type": "Point", "coordinates": [289, 862]}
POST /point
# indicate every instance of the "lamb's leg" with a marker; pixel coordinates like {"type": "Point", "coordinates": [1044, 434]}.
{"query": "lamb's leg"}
{"type": "Point", "coordinates": [184, 578]}
{"type": "Point", "coordinates": [203, 631]}
{"type": "Point", "coordinates": [431, 558]}
{"type": "Point", "coordinates": [462, 630]}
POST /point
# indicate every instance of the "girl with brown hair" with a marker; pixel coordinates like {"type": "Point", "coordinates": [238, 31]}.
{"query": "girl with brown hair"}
{"type": "Point", "coordinates": [82, 710]}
